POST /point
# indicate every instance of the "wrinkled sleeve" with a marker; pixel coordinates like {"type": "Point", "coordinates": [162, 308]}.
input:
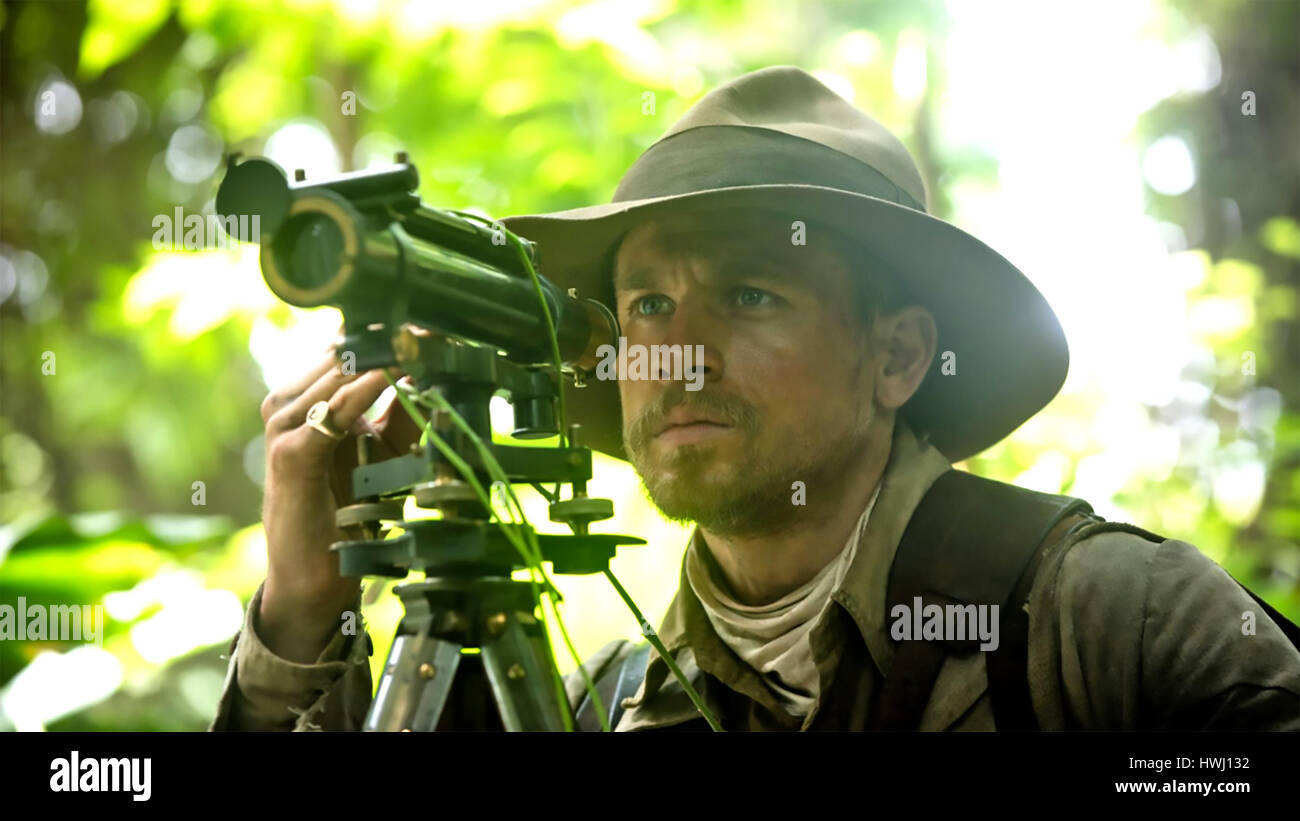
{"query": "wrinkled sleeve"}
{"type": "Point", "coordinates": [265, 692]}
{"type": "Point", "coordinates": [1156, 636]}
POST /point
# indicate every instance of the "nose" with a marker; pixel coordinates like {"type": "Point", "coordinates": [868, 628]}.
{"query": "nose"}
{"type": "Point", "coordinates": [698, 334]}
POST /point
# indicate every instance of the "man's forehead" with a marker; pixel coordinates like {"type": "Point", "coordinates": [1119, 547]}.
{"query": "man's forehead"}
{"type": "Point", "coordinates": [724, 238]}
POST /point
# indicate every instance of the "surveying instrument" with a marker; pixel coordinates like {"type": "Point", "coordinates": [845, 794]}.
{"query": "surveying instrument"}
{"type": "Point", "coordinates": [470, 652]}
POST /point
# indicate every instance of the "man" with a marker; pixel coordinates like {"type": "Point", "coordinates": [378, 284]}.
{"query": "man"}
{"type": "Point", "coordinates": [854, 347]}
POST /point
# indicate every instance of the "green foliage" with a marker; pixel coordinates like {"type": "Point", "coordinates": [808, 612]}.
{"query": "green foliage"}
{"type": "Point", "coordinates": [156, 385]}
{"type": "Point", "coordinates": [88, 558]}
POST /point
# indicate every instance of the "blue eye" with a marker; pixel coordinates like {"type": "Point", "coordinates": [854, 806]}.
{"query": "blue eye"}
{"type": "Point", "coordinates": [753, 297]}
{"type": "Point", "coordinates": [639, 306]}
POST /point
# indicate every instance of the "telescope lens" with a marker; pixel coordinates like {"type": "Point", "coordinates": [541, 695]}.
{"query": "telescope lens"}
{"type": "Point", "coordinates": [310, 250]}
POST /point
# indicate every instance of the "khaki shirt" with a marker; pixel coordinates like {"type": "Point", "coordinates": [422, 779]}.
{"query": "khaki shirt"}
{"type": "Point", "coordinates": [1124, 634]}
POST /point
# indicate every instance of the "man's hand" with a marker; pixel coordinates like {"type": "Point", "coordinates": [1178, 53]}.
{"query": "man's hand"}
{"type": "Point", "coordinates": [308, 477]}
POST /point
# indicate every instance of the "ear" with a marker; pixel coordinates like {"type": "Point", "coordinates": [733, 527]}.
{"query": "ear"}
{"type": "Point", "coordinates": [907, 341]}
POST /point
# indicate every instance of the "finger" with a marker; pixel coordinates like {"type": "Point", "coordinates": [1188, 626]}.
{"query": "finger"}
{"type": "Point", "coordinates": [383, 449]}
{"type": "Point", "coordinates": [325, 386]}
{"type": "Point", "coordinates": [312, 450]}
{"type": "Point", "coordinates": [295, 412]}
{"type": "Point", "coordinates": [350, 401]}
{"type": "Point", "coordinates": [398, 428]}
{"type": "Point", "coordinates": [395, 406]}
{"type": "Point", "coordinates": [284, 396]}
{"type": "Point", "coordinates": [346, 458]}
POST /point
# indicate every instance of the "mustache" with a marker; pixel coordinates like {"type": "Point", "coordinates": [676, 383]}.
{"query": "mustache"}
{"type": "Point", "coordinates": [730, 410]}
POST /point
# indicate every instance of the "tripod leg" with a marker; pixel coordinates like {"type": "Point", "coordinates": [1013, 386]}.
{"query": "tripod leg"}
{"type": "Point", "coordinates": [417, 678]}
{"type": "Point", "coordinates": [519, 668]}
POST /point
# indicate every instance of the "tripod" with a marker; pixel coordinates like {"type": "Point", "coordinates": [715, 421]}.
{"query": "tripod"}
{"type": "Point", "coordinates": [467, 601]}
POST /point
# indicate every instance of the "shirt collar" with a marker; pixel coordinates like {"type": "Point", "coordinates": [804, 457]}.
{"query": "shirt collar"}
{"type": "Point", "coordinates": [689, 637]}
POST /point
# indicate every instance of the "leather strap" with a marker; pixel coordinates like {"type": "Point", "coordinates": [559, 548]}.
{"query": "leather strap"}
{"type": "Point", "coordinates": [1008, 666]}
{"type": "Point", "coordinates": [614, 683]}
{"type": "Point", "coordinates": [630, 676]}
{"type": "Point", "coordinates": [906, 690]}
{"type": "Point", "coordinates": [970, 541]}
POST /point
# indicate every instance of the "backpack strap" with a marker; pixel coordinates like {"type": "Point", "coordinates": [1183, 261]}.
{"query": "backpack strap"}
{"type": "Point", "coordinates": [1008, 666]}
{"type": "Point", "coordinates": [630, 676]}
{"type": "Point", "coordinates": [970, 541]}
{"type": "Point", "coordinates": [615, 683]}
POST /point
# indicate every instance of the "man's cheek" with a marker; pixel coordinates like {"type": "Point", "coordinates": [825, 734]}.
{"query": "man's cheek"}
{"type": "Point", "coordinates": [631, 400]}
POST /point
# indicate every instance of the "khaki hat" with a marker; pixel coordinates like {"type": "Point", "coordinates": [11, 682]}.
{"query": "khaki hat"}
{"type": "Point", "coordinates": [779, 139]}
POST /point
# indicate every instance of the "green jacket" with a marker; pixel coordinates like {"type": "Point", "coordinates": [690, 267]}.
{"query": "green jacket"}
{"type": "Point", "coordinates": [1125, 634]}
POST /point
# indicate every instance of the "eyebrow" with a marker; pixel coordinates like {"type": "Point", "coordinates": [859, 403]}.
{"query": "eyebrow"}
{"type": "Point", "coordinates": [754, 268]}
{"type": "Point", "coordinates": [635, 280]}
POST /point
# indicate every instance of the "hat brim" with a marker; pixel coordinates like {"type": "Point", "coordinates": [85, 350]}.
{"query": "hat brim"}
{"type": "Point", "coordinates": [1009, 354]}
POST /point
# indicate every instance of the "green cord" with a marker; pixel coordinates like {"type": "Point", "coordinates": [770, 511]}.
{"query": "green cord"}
{"type": "Point", "coordinates": [653, 638]}
{"type": "Point", "coordinates": [532, 559]}
{"type": "Point", "coordinates": [546, 314]}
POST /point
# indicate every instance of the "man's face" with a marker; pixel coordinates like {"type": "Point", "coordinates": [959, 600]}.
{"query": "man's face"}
{"type": "Point", "coordinates": [787, 393]}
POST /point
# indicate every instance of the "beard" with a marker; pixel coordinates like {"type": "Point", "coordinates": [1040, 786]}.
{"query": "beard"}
{"type": "Point", "coordinates": [748, 496]}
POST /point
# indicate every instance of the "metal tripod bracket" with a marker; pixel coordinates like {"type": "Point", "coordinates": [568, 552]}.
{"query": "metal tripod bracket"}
{"type": "Point", "coordinates": [468, 600]}
{"type": "Point", "coordinates": [445, 616]}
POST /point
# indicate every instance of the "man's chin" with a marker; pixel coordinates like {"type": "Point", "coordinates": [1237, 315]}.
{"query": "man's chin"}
{"type": "Point", "coordinates": [686, 501]}
{"type": "Point", "coordinates": [693, 486]}
{"type": "Point", "coordinates": [686, 464]}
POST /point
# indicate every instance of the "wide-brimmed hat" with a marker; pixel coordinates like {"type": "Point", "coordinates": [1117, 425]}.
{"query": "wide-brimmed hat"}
{"type": "Point", "coordinates": [779, 139]}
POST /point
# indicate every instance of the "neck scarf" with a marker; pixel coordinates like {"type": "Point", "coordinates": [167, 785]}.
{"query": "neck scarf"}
{"type": "Point", "coordinates": [773, 638]}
